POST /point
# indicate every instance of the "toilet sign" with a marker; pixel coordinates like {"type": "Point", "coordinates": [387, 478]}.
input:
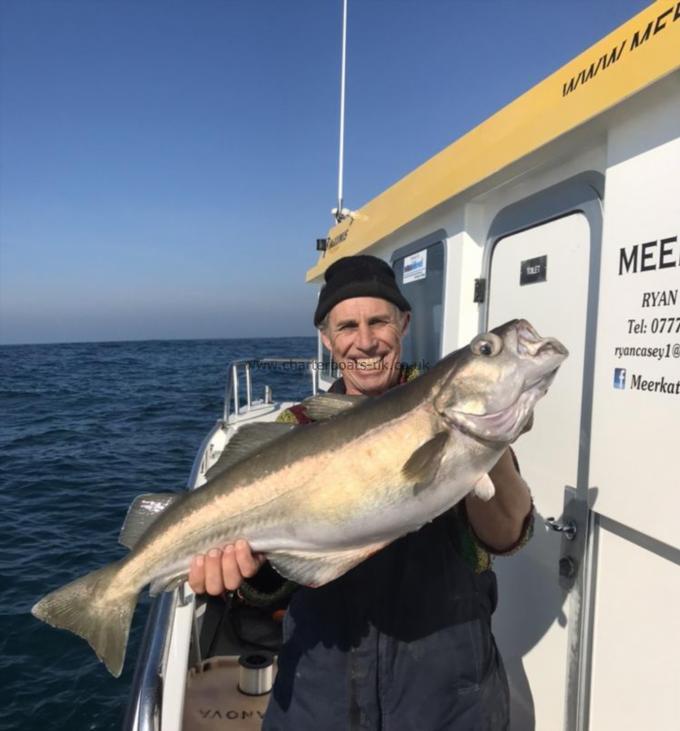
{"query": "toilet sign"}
{"type": "Point", "coordinates": [533, 270]}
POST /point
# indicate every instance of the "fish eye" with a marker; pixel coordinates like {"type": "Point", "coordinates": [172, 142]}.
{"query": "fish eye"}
{"type": "Point", "coordinates": [487, 344]}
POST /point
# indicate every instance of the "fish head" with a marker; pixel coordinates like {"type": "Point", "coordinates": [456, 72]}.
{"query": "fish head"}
{"type": "Point", "coordinates": [494, 382]}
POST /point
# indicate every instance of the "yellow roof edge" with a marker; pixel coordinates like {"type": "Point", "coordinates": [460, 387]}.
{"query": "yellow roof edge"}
{"type": "Point", "coordinates": [630, 58]}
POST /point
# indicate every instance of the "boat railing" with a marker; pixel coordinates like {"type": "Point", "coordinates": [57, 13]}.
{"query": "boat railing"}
{"type": "Point", "coordinates": [143, 713]}
{"type": "Point", "coordinates": [146, 707]}
{"type": "Point", "coordinates": [240, 371]}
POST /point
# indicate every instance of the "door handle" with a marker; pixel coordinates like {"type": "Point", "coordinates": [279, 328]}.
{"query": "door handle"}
{"type": "Point", "coordinates": [568, 528]}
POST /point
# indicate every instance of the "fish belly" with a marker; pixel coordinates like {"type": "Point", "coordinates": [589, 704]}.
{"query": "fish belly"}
{"type": "Point", "coordinates": [322, 514]}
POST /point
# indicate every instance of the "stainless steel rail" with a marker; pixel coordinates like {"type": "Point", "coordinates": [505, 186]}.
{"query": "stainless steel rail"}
{"type": "Point", "coordinates": [144, 710]}
{"type": "Point", "coordinates": [232, 405]}
{"type": "Point", "coordinates": [143, 713]}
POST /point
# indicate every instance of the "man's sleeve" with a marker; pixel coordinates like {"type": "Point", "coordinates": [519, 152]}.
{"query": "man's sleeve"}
{"type": "Point", "coordinates": [477, 553]}
{"type": "Point", "coordinates": [527, 527]}
{"type": "Point", "coordinates": [524, 536]}
{"type": "Point", "coordinates": [294, 415]}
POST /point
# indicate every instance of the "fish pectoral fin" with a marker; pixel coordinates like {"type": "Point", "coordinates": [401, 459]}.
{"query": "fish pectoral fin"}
{"type": "Point", "coordinates": [143, 511]}
{"type": "Point", "coordinates": [327, 405]}
{"type": "Point", "coordinates": [423, 464]}
{"type": "Point", "coordinates": [484, 488]}
{"type": "Point", "coordinates": [247, 441]}
{"type": "Point", "coordinates": [316, 568]}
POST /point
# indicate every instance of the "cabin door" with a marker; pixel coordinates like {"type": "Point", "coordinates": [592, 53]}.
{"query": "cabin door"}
{"type": "Point", "coordinates": [541, 274]}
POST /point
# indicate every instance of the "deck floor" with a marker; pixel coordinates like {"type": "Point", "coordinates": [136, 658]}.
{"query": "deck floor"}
{"type": "Point", "coordinates": [213, 700]}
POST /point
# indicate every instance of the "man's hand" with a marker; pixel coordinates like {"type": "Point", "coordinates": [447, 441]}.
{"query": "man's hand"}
{"type": "Point", "coordinates": [223, 569]}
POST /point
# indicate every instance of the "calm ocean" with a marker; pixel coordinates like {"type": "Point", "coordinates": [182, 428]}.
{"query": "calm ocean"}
{"type": "Point", "coordinates": [85, 428]}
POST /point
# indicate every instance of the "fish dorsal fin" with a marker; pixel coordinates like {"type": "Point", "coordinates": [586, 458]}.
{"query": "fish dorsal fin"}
{"type": "Point", "coordinates": [247, 441]}
{"type": "Point", "coordinates": [316, 568]}
{"type": "Point", "coordinates": [142, 512]}
{"type": "Point", "coordinates": [327, 405]}
{"type": "Point", "coordinates": [422, 465]}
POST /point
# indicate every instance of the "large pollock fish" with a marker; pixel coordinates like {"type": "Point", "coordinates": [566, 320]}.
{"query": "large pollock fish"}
{"type": "Point", "coordinates": [323, 497]}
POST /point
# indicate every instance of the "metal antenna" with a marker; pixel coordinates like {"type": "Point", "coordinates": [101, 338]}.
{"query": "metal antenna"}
{"type": "Point", "coordinates": [338, 212]}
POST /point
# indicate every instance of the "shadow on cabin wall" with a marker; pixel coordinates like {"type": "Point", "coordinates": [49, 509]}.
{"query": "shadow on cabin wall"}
{"type": "Point", "coordinates": [531, 601]}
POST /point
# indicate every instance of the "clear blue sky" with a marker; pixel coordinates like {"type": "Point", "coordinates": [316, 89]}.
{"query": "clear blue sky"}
{"type": "Point", "coordinates": [165, 167]}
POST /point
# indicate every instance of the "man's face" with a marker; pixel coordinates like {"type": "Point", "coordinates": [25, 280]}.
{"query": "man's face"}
{"type": "Point", "coordinates": [364, 336]}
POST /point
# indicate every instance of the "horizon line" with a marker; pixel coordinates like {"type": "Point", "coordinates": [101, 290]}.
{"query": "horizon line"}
{"type": "Point", "coordinates": [152, 340]}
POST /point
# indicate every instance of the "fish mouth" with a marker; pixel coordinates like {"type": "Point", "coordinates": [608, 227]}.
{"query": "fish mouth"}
{"type": "Point", "coordinates": [530, 343]}
{"type": "Point", "coordinates": [506, 424]}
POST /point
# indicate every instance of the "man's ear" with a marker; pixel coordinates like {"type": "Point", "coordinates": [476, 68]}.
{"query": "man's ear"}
{"type": "Point", "coordinates": [326, 340]}
{"type": "Point", "coordinates": [406, 320]}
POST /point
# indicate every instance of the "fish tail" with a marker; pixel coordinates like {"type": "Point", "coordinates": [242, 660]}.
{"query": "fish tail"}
{"type": "Point", "coordinates": [97, 611]}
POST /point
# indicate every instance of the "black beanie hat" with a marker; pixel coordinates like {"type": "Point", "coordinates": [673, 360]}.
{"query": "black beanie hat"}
{"type": "Point", "coordinates": [358, 276]}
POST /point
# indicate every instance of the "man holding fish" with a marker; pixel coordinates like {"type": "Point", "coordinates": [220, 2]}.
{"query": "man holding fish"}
{"type": "Point", "coordinates": [403, 640]}
{"type": "Point", "coordinates": [388, 502]}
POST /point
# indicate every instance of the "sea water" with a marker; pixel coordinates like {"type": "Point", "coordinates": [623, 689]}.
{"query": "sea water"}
{"type": "Point", "coordinates": [84, 428]}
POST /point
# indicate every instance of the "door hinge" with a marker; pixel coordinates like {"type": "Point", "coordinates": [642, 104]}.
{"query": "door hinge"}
{"type": "Point", "coordinates": [480, 290]}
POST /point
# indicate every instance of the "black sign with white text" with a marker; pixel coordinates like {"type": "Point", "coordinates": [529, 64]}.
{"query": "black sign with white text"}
{"type": "Point", "coordinates": [533, 270]}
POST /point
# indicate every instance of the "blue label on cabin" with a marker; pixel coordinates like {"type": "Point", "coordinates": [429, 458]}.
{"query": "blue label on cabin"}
{"type": "Point", "coordinates": [619, 378]}
{"type": "Point", "coordinates": [533, 270]}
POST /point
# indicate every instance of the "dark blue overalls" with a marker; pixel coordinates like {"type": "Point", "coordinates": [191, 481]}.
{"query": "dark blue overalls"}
{"type": "Point", "coordinates": [403, 641]}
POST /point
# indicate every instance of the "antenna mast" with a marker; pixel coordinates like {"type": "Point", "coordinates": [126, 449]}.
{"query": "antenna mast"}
{"type": "Point", "coordinates": [339, 212]}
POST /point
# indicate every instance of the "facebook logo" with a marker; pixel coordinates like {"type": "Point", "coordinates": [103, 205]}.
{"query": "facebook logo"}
{"type": "Point", "coordinates": [619, 377]}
